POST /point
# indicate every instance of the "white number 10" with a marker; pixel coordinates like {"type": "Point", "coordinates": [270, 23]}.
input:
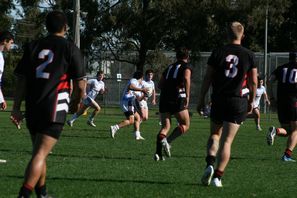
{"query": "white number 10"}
{"type": "Point", "coordinates": [41, 67]}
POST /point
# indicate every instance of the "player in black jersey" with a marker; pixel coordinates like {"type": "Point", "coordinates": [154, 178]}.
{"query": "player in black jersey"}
{"type": "Point", "coordinates": [286, 77]}
{"type": "Point", "coordinates": [175, 85]}
{"type": "Point", "coordinates": [44, 75]}
{"type": "Point", "coordinates": [230, 69]}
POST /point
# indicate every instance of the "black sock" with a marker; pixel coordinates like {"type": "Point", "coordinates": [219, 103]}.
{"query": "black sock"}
{"type": "Point", "coordinates": [25, 191]}
{"type": "Point", "coordinates": [210, 160]}
{"type": "Point", "coordinates": [40, 191]}
{"type": "Point", "coordinates": [160, 137]}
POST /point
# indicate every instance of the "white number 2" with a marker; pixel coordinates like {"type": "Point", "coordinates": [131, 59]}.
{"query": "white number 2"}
{"type": "Point", "coordinates": [41, 67]}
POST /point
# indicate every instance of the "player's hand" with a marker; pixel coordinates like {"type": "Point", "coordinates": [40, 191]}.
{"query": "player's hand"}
{"type": "Point", "coordinates": [153, 102]}
{"type": "Point", "coordinates": [250, 107]}
{"type": "Point", "coordinates": [16, 117]}
{"type": "Point", "coordinates": [268, 102]}
{"type": "Point", "coordinates": [3, 105]}
{"type": "Point", "coordinates": [145, 90]}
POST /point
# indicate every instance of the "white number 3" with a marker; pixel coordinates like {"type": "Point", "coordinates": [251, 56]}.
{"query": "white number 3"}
{"type": "Point", "coordinates": [41, 67]}
{"type": "Point", "coordinates": [231, 67]}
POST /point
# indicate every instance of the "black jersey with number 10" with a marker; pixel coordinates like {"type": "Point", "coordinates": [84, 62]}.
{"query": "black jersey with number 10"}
{"type": "Point", "coordinates": [286, 76]}
{"type": "Point", "coordinates": [48, 65]}
{"type": "Point", "coordinates": [231, 64]}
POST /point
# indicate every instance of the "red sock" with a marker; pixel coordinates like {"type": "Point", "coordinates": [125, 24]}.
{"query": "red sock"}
{"type": "Point", "coordinates": [218, 174]}
{"type": "Point", "coordinates": [288, 152]}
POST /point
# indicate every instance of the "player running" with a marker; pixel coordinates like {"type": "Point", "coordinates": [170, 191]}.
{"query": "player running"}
{"type": "Point", "coordinates": [44, 75]}
{"type": "Point", "coordinates": [128, 105]}
{"type": "Point", "coordinates": [230, 68]}
{"type": "Point", "coordinates": [285, 76]}
{"type": "Point", "coordinates": [94, 87]}
{"type": "Point", "coordinates": [175, 86]}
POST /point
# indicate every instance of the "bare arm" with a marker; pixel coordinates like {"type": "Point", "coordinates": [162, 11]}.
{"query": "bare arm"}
{"type": "Point", "coordinates": [187, 85]}
{"type": "Point", "coordinates": [81, 86]}
{"type": "Point", "coordinates": [20, 90]}
{"type": "Point", "coordinates": [154, 97]}
{"type": "Point", "coordinates": [252, 85]}
{"type": "Point", "coordinates": [205, 87]}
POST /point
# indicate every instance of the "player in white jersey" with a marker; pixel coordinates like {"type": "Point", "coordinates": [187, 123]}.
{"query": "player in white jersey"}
{"type": "Point", "coordinates": [128, 105]}
{"type": "Point", "coordinates": [147, 83]}
{"type": "Point", "coordinates": [6, 40]}
{"type": "Point", "coordinates": [94, 87]}
{"type": "Point", "coordinates": [261, 90]}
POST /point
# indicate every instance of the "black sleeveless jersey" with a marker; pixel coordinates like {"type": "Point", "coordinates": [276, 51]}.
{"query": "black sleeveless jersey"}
{"type": "Point", "coordinates": [173, 76]}
{"type": "Point", "coordinates": [231, 64]}
{"type": "Point", "coordinates": [48, 65]}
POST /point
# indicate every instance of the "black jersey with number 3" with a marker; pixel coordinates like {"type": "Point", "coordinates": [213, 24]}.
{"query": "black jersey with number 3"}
{"type": "Point", "coordinates": [231, 64]}
{"type": "Point", "coordinates": [48, 65]}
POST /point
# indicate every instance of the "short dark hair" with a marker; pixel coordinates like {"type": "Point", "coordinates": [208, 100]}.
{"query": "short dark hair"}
{"type": "Point", "coordinates": [149, 71]}
{"type": "Point", "coordinates": [138, 75]}
{"type": "Point", "coordinates": [293, 56]}
{"type": "Point", "coordinates": [5, 36]}
{"type": "Point", "coordinates": [55, 21]}
{"type": "Point", "coordinates": [99, 72]}
{"type": "Point", "coordinates": [182, 52]}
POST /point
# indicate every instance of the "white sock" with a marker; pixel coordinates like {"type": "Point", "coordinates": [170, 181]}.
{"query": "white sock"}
{"type": "Point", "coordinates": [74, 117]}
{"type": "Point", "coordinates": [137, 134]}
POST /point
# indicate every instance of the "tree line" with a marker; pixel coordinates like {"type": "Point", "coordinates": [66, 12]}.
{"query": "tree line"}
{"type": "Point", "coordinates": [149, 27]}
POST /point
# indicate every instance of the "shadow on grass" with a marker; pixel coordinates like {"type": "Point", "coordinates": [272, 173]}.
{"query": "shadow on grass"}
{"type": "Point", "coordinates": [81, 179]}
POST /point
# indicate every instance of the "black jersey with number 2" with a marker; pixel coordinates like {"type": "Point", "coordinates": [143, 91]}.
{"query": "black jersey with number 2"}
{"type": "Point", "coordinates": [231, 64]}
{"type": "Point", "coordinates": [48, 65]}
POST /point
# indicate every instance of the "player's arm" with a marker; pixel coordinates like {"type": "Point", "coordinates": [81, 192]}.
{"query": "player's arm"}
{"type": "Point", "coordinates": [205, 87]}
{"type": "Point", "coordinates": [20, 90]}
{"type": "Point", "coordinates": [187, 75]}
{"type": "Point", "coordinates": [154, 97]}
{"type": "Point", "coordinates": [135, 88]}
{"type": "Point", "coordinates": [270, 82]}
{"type": "Point", "coordinates": [81, 86]}
{"type": "Point", "coordinates": [2, 101]}
{"type": "Point", "coordinates": [252, 85]}
{"type": "Point", "coordinates": [266, 98]}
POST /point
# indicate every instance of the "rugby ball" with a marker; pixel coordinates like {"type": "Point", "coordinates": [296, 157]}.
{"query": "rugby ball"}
{"type": "Point", "coordinates": [150, 92]}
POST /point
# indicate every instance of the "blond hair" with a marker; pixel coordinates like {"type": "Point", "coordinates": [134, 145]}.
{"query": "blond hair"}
{"type": "Point", "coordinates": [235, 30]}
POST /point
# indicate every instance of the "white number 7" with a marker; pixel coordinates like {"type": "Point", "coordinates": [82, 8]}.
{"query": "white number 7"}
{"type": "Point", "coordinates": [41, 67]}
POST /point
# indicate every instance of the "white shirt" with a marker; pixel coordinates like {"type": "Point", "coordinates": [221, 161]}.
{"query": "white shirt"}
{"type": "Point", "coordinates": [95, 87]}
{"type": "Point", "coordinates": [128, 93]}
{"type": "Point", "coordinates": [259, 93]}
{"type": "Point", "coordinates": [1, 72]}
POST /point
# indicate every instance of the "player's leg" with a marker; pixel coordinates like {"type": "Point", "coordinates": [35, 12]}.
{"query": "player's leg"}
{"type": "Point", "coordinates": [183, 119]}
{"type": "Point", "coordinates": [212, 149]}
{"type": "Point", "coordinates": [256, 112]}
{"type": "Point", "coordinates": [137, 133]}
{"type": "Point", "coordinates": [97, 109]}
{"type": "Point", "coordinates": [161, 137]}
{"type": "Point", "coordinates": [144, 110]}
{"type": "Point", "coordinates": [36, 169]}
{"type": "Point", "coordinates": [83, 107]}
{"type": "Point", "coordinates": [224, 152]}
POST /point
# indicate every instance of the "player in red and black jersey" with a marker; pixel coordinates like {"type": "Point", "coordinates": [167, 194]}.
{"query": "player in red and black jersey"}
{"type": "Point", "coordinates": [286, 77]}
{"type": "Point", "coordinates": [175, 85]}
{"type": "Point", "coordinates": [44, 75]}
{"type": "Point", "coordinates": [230, 69]}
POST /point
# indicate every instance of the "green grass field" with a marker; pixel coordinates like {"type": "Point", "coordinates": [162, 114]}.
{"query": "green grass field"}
{"type": "Point", "coordinates": [86, 162]}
